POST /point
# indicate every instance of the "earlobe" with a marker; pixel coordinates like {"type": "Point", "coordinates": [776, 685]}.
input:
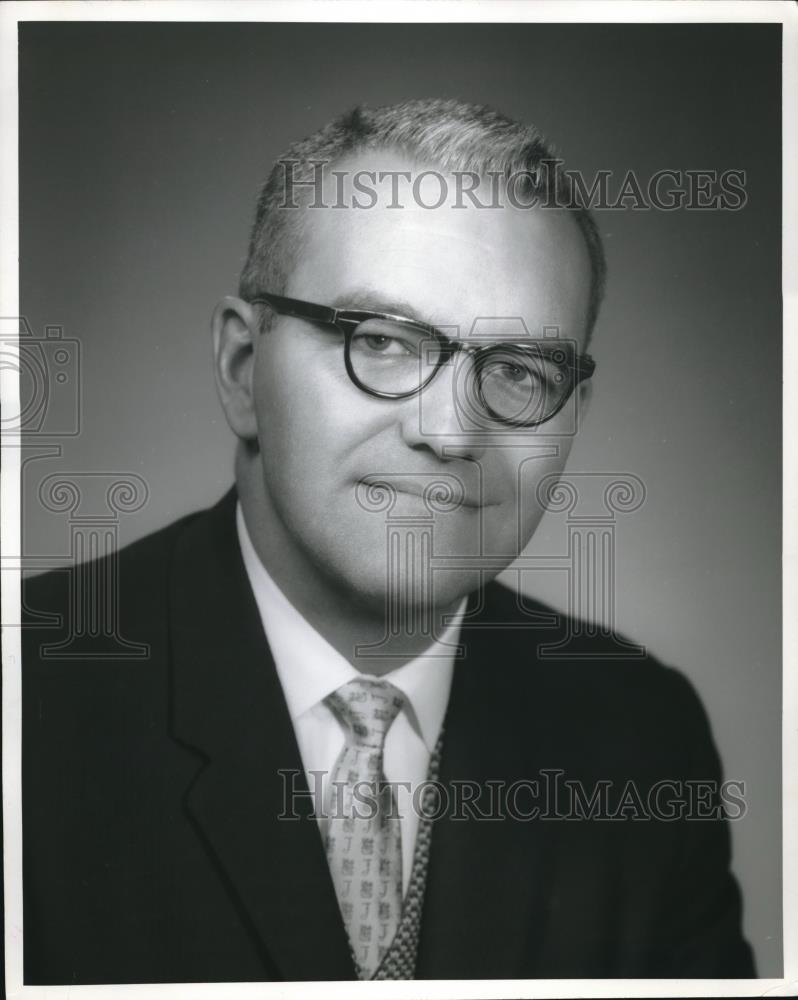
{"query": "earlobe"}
{"type": "Point", "coordinates": [234, 331]}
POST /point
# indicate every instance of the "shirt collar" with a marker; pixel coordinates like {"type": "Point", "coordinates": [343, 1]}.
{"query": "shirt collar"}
{"type": "Point", "coordinates": [309, 668]}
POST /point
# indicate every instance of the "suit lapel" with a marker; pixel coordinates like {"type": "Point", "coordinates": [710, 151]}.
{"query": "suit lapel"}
{"type": "Point", "coordinates": [228, 705]}
{"type": "Point", "coordinates": [488, 882]}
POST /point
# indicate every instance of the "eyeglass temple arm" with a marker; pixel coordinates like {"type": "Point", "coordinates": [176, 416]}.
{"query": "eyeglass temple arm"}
{"type": "Point", "coordinates": [294, 307]}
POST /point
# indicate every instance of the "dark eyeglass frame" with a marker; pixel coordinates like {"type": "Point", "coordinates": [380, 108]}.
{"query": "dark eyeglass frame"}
{"type": "Point", "coordinates": [579, 366]}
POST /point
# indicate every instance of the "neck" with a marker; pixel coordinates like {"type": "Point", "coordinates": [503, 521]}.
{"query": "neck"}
{"type": "Point", "coordinates": [345, 619]}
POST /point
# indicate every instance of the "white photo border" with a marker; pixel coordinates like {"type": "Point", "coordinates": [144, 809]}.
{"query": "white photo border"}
{"type": "Point", "coordinates": [407, 11]}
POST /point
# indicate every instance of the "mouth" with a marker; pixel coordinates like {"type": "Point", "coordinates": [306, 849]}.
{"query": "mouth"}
{"type": "Point", "coordinates": [443, 493]}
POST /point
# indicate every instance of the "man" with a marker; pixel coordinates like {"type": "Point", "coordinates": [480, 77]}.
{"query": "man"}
{"type": "Point", "coordinates": [338, 759]}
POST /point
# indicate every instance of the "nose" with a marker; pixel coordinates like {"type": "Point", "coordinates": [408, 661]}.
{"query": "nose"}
{"type": "Point", "coordinates": [444, 417]}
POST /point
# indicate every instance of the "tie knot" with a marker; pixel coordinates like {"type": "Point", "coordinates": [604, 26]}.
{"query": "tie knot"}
{"type": "Point", "coordinates": [367, 709]}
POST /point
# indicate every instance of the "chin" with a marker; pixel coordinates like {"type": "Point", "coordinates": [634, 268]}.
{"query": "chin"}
{"type": "Point", "coordinates": [402, 591]}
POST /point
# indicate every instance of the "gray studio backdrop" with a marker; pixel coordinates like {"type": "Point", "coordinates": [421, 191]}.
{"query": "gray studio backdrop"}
{"type": "Point", "coordinates": [142, 150]}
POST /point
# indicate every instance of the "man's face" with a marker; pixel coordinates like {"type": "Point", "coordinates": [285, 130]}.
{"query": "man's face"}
{"type": "Point", "coordinates": [472, 272]}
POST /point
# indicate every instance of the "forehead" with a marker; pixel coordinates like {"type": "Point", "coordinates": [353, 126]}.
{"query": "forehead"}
{"type": "Point", "coordinates": [454, 264]}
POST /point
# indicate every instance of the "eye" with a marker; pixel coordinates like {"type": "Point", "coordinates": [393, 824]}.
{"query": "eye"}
{"type": "Point", "coordinates": [381, 344]}
{"type": "Point", "coordinates": [510, 373]}
{"type": "Point", "coordinates": [386, 339]}
{"type": "Point", "coordinates": [513, 373]}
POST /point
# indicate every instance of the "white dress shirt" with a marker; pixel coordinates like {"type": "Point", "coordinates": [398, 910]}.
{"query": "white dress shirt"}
{"type": "Point", "coordinates": [309, 669]}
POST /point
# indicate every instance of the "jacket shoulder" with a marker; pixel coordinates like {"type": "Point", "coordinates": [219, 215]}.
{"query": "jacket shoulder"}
{"type": "Point", "coordinates": [143, 559]}
{"type": "Point", "coordinates": [593, 680]}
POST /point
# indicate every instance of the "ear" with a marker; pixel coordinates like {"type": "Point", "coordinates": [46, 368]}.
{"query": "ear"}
{"type": "Point", "coordinates": [234, 328]}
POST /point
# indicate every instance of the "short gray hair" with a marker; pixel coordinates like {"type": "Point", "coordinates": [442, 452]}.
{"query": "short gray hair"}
{"type": "Point", "coordinates": [451, 135]}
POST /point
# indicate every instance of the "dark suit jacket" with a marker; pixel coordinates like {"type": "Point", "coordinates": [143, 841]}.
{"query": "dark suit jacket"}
{"type": "Point", "coordinates": [153, 851]}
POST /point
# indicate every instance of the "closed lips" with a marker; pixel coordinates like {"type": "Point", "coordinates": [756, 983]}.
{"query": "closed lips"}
{"type": "Point", "coordinates": [440, 493]}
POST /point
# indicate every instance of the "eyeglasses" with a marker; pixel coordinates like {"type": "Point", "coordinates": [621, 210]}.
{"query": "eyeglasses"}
{"type": "Point", "coordinates": [519, 383]}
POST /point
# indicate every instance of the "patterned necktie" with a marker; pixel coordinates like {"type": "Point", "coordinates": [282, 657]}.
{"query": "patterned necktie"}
{"type": "Point", "coordinates": [364, 839]}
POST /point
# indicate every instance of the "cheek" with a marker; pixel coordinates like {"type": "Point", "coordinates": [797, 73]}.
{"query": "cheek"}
{"type": "Point", "coordinates": [289, 436]}
{"type": "Point", "coordinates": [309, 415]}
